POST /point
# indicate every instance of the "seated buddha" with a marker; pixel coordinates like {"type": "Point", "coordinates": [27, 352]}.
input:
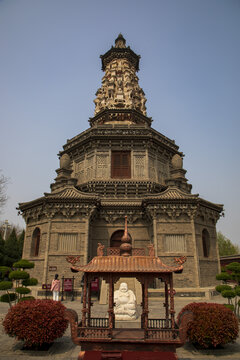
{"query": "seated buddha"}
{"type": "Point", "coordinates": [125, 303]}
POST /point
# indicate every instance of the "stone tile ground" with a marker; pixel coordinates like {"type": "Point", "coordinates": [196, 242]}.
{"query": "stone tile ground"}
{"type": "Point", "coordinates": [64, 349]}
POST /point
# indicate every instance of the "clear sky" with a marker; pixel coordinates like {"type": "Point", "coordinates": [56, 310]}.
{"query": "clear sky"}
{"type": "Point", "coordinates": [189, 70]}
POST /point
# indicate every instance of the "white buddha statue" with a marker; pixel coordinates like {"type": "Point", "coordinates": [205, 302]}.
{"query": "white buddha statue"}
{"type": "Point", "coordinates": [125, 303]}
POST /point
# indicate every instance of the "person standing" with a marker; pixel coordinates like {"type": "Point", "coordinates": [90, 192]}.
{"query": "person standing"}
{"type": "Point", "coordinates": [55, 288]}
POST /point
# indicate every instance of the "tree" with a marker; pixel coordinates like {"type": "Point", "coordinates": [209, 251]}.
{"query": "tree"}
{"type": "Point", "coordinates": [2, 250]}
{"type": "Point", "coordinates": [3, 196]}
{"type": "Point", "coordinates": [20, 243]}
{"type": "Point", "coordinates": [231, 274]}
{"type": "Point", "coordinates": [225, 246]}
{"type": "Point", "coordinates": [11, 249]}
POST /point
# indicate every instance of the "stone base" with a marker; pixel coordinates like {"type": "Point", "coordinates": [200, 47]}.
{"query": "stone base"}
{"type": "Point", "coordinates": [190, 293]}
{"type": "Point", "coordinates": [127, 355]}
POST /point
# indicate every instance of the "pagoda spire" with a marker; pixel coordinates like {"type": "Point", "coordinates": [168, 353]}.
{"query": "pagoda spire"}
{"type": "Point", "coordinates": [120, 88]}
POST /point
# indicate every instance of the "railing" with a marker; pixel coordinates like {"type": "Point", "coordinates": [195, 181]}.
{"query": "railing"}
{"type": "Point", "coordinates": [158, 323]}
{"type": "Point", "coordinates": [94, 333]}
{"type": "Point", "coordinates": [162, 334]}
{"type": "Point", "coordinates": [99, 322]}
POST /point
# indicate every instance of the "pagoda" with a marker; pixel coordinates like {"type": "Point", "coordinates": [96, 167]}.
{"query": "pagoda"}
{"type": "Point", "coordinates": [120, 166]}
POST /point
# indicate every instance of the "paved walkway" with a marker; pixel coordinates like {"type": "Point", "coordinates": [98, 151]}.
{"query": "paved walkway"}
{"type": "Point", "coordinates": [64, 349]}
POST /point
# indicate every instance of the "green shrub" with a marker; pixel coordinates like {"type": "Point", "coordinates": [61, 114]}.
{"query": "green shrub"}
{"type": "Point", "coordinates": [212, 325]}
{"type": "Point", "coordinates": [18, 275]}
{"type": "Point", "coordinates": [23, 290]}
{"type": "Point", "coordinates": [223, 276]}
{"type": "Point", "coordinates": [6, 297]}
{"type": "Point", "coordinates": [234, 266]}
{"type": "Point", "coordinates": [230, 294]}
{"type": "Point", "coordinates": [25, 298]}
{"type": "Point", "coordinates": [4, 270]}
{"type": "Point", "coordinates": [36, 322]}
{"type": "Point", "coordinates": [30, 282]}
{"type": "Point", "coordinates": [237, 290]}
{"type": "Point", "coordinates": [229, 306]}
{"type": "Point", "coordinates": [23, 264]}
{"type": "Point", "coordinates": [6, 285]}
{"type": "Point", "coordinates": [220, 288]}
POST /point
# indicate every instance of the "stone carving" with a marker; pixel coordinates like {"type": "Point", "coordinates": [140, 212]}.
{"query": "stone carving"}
{"type": "Point", "coordinates": [100, 249]}
{"type": "Point", "coordinates": [125, 303]}
{"type": "Point", "coordinates": [151, 250]}
{"type": "Point", "coordinates": [120, 88]}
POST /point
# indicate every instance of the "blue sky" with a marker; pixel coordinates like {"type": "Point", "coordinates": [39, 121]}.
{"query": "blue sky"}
{"type": "Point", "coordinates": [189, 70]}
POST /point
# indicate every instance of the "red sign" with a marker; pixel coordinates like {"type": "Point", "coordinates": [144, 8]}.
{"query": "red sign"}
{"type": "Point", "coordinates": [46, 286]}
{"type": "Point", "coordinates": [95, 285]}
{"type": "Point", "coordinates": [67, 285]}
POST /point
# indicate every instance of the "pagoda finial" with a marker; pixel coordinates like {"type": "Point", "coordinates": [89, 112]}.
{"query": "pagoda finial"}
{"type": "Point", "coordinates": [120, 89]}
{"type": "Point", "coordinates": [120, 42]}
{"type": "Point", "coordinates": [126, 245]}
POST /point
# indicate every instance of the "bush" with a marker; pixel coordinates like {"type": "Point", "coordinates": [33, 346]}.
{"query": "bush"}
{"type": "Point", "coordinates": [36, 322]}
{"type": "Point", "coordinates": [18, 275]}
{"type": "Point", "coordinates": [234, 266]}
{"type": "Point", "coordinates": [230, 294]}
{"type": "Point", "coordinates": [220, 288]}
{"type": "Point", "coordinates": [30, 282]}
{"type": "Point", "coordinates": [4, 270]}
{"type": "Point", "coordinates": [212, 325]}
{"type": "Point", "coordinates": [6, 285]}
{"type": "Point", "coordinates": [237, 290]}
{"type": "Point", "coordinates": [223, 276]}
{"type": "Point", "coordinates": [229, 306]}
{"type": "Point", "coordinates": [26, 298]}
{"type": "Point", "coordinates": [23, 290]}
{"type": "Point", "coordinates": [6, 297]}
{"type": "Point", "coordinates": [23, 264]}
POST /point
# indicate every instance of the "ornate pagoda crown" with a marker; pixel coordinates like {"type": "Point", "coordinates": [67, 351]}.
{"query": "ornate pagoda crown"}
{"type": "Point", "coordinates": [120, 88]}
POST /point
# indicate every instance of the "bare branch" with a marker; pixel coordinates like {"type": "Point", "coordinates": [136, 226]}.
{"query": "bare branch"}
{"type": "Point", "coordinates": [3, 186]}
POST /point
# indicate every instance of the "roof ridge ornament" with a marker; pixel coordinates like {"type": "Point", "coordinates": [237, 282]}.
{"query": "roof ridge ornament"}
{"type": "Point", "coordinates": [120, 42]}
{"type": "Point", "coordinates": [126, 246]}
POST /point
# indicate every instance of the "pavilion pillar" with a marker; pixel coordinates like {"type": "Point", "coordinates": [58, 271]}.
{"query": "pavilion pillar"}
{"type": "Point", "coordinates": [166, 304]}
{"type": "Point", "coordinates": [110, 302]}
{"type": "Point", "coordinates": [84, 308]}
{"type": "Point", "coordinates": [89, 302]}
{"type": "Point", "coordinates": [145, 311]}
{"type": "Point", "coordinates": [143, 307]}
{"type": "Point", "coordinates": [172, 311]}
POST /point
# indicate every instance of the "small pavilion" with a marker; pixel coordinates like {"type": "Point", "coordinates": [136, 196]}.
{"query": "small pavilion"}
{"type": "Point", "coordinates": [98, 337]}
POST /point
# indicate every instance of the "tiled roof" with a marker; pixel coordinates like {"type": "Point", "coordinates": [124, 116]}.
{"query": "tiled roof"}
{"type": "Point", "coordinates": [172, 193]}
{"type": "Point", "coordinates": [130, 264]}
{"type": "Point", "coordinates": [69, 193]}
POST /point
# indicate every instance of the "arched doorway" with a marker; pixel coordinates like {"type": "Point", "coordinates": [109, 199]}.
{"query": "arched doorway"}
{"type": "Point", "coordinates": [36, 242]}
{"type": "Point", "coordinates": [115, 240]}
{"type": "Point", "coordinates": [205, 243]}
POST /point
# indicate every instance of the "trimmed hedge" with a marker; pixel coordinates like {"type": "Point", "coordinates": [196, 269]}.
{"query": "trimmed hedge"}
{"type": "Point", "coordinates": [212, 325]}
{"type": "Point", "coordinates": [36, 322]}
{"type": "Point", "coordinates": [5, 297]}
{"type": "Point", "coordinates": [223, 276]}
{"type": "Point", "coordinates": [18, 275]}
{"type": "Point", "coordinates": [220, 288]}
{"type": "Point", "coordinates": [23, 264]}
{"type": "Point", "coordinates": [26, 298]}
{"type": "Point", "coordinates": [30, 282]}
{"type": "Point", "coordinates": [6, 285]}
{"type": "Point", "coordinates": [23, 290]}
{"type": "Point", "coordinates": [4, 270]}
{"type": "Point", "coordinates": [230, 294]}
